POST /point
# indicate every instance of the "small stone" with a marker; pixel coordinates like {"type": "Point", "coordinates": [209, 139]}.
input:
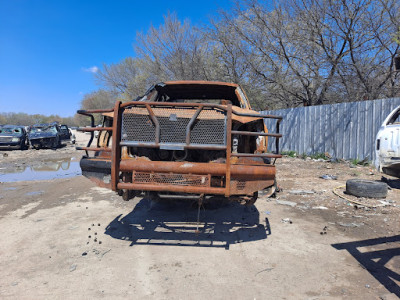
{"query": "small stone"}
{"type": "Point", "coordinates": [320, 207]}
{"type": "Point", "coordinates": [301, 192]}
{"type": "Point", "coordinates": [14, 283]}
{"type": "Point", "coordinates": [84, 253]}
{"type": "Point", "coordinates": [89, 228]}
{"type": "Point", "coordinates": [89, 236]}
{"type": "Point", "coordinates": [72, 268]}
{"type": "Point", "coordinates": [286, 220]}
{"type": "Point", "coordinates": [328, 177]}
{"type": "Point", "coordinates": [284, 202]}
{"type": "Point", "coordinates": [367, 286]}
{"type": "Point", "coordinates": [350, 224]}
{"type": "Point", "coordinates": [100, 242]}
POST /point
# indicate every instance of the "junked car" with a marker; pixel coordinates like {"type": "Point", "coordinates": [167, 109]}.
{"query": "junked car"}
{"type": "Point", "coordinates": [387, 151]}
{"type": "Point", "coordinates": [13, 137]}
{"type": "Point", "coordinates": [66, 135]}
{"type": "Point", "coordinates": [186, 138]}
{"type": "Point", "coordinates": [45, 136]}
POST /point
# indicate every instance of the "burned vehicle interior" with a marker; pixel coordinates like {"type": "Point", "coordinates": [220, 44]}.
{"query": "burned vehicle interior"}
{"type": "Point", "coordinates": [184, 138]}
{"type": "Point", "coordinates": [44, 135]}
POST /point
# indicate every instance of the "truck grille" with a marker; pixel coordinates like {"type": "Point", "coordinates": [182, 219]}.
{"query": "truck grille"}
{"type": "Point", "coordinates": [171, 179]}
{"type": "Point", "coordinates": [208, 128]}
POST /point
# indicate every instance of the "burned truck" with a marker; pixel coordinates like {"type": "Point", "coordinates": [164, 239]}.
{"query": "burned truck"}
{"type": "Point", "coordinates": [184, 138]}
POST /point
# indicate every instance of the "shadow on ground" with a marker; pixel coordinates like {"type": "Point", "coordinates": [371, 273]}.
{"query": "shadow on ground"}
{"type": "Point", "coordinates": [380, 257]}
{"type": "Point", "coordinates": [392, 183]}
{"type": "Point", "coordinates": [175, 223]}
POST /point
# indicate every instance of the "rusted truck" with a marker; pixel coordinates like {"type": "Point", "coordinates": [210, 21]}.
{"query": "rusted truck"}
{"type": "Point", "coordinates": [182, 139]}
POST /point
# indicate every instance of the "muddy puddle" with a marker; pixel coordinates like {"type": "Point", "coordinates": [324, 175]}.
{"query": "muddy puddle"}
{"type": "Point", "coordinates": [52, 169]}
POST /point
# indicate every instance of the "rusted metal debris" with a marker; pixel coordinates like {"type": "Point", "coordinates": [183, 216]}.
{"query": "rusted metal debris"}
{"type": "Point", "coordinates": [190, 137]}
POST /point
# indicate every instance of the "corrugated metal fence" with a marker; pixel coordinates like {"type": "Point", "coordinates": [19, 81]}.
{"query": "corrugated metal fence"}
{"type": "Point", "coordinates": [344, 130]}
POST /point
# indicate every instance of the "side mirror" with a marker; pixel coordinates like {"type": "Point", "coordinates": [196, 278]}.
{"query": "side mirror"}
{"type": "Point", "coordinates": [397, 63]}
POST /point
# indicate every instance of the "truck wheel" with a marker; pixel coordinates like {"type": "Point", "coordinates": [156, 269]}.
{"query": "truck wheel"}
{"type": "Point", "coordinates": [366, 188]}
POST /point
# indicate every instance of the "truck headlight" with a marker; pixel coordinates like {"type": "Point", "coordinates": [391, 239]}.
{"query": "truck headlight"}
{"type": "Point", "coordinates": [15, 139]}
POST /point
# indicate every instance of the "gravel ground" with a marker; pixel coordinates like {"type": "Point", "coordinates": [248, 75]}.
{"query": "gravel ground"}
{"type": "Point", "coordinates": [68, 239]}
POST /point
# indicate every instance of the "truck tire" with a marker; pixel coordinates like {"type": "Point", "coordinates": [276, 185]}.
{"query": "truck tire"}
{"type": "Point", "coordinates": [366, 188]}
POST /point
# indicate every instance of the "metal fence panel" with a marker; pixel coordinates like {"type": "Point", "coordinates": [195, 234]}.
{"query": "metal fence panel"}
{"type": "Point", "coordinates": [344, 130]}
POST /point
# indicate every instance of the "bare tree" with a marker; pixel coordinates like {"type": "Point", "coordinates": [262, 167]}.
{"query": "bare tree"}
{"type": "Point", "coordinates": [312, 52]}
{"type": "Point", "coordinates": [100, 99]}
{"type": "Point", "coordinates": [128, 79]}
{"type": "Point", "coordinates": [285, 53]}
{"type": "Point", "coordinates": [367, 72]}
{"type": "Point", "coordinates": [173, 51]}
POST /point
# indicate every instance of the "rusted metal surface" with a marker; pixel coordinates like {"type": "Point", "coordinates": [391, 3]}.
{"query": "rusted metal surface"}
{"type": "Point", "coordinates": [94, 111]}
{"type": "Point", "coordinates": [116, 148]}
{"type": "Point", "coordinates": [267, 155]}
{"type": "Point", "coordinates": [201, 82]}
{"type": "Point", "coordinates": [103, 149]}
{"type": "Point", "coordinates": [256, 133]}
{"type": "Point", "coordinates": [90, 129]}
{"type": "Point", "coordinates": [183, 146]}
{"type": "Point", "coordinates": [155, 121]}
{"type": "Point", "coordinates": [191, 122]}
{"type": "Point", "coordinates": [228, 150]}
{"type": "Point", "coordinates": [232, 173]}
{"type": "Point", "coordinates": [172, 188]}
{"type": "Point", "coordinates": [181, 167]}
{"type": "Point", "coordinates": [246, 186]}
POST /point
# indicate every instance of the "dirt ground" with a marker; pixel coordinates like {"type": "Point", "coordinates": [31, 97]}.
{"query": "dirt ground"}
{"type": "Point", "coordinates": [68, 239]}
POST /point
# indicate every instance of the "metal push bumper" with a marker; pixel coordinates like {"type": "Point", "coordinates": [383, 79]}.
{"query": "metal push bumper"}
{"type": "Point", "coordinates": [128, 173]}
{"type": "Point", "coordinates": [181, 177]}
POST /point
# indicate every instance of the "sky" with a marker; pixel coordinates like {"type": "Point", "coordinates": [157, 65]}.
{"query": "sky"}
{"type": "Point", "coordinates": [50, 49]}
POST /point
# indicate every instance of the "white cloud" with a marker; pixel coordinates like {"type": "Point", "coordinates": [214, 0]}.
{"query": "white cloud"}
{"type": "Point", "coordinates": [93, 69]}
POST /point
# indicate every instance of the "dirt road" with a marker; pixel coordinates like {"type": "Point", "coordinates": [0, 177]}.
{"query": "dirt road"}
{"type": "Point", "coordinates": [67, 239]}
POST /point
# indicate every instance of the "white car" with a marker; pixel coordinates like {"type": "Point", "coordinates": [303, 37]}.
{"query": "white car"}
{"type": "Point", "coordinates": [387, 147]}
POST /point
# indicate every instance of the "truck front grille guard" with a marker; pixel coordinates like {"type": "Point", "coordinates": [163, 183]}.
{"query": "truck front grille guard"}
{"type": "Point", "coordinates": [116, 130]}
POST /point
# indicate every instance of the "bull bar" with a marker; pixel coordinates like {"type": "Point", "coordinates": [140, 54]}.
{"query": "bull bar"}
{"type": "Point", "coordinates": [240, 171]}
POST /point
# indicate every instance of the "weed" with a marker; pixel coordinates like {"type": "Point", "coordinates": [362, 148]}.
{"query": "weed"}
{"type": "Point", "coordinates": [289, 153]}
{"type": "Point", "coordinates": [318, 156]}
{"type": "Point", "coordinates": [356, 161]}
